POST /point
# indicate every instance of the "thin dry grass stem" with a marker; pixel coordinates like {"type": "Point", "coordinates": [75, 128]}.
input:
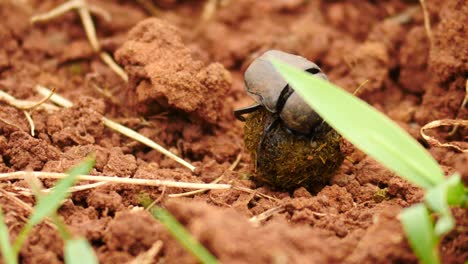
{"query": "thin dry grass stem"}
{"type": "Point", "coordinates": [256, 220]}
{"type": "Point", "coordinates": [91, 82]}
{"type": "Point", "coordinates": [359, 87]}
{"type": "Point", "coordinates": [56, 12]}
{"type": "Point", "coordinates": [84, 187]}
{"type": "Point", "coordinates": [30, 121]}
{"type": "Point", "coordinates": [122, 129]}
{"type": "Point", "coordinates": [84, 10]}
{"type": "Point", "coordinates": [113, 65]}
{"type": "Point", "coordinates": [142, 139]}
{"type": "Point", "coordinates": [10, 124]}
{"type": "Point", "coordinates": [25, 104]}
{"type": "Point", "coordinates": [463, 105]}
{"type": "Point", "coordinates": [405, 16]}
{"type": "Point", "coordinates": [231, 168]}
{"type": "Point", "coordinates": [209, 9]}
{"type": "Point", "coordinates": [149, 7]}
{"type": "Point", "coordinates": [80, 188]}
{"type": "Point", "coordinates": [112, 179]}
{"type": "Point", "coordinates": [259, 194]}
{"type": "Point", "coordinates": [26, 207]}
{"type": "Point", "coordinates": [444, 122]}
{"type": "Point", "coordinates": [55, 98]}
{"type": "Point", "coordinates": [148, 256]}
{"type": "Point", "coordinates": [427, 21]}
{"type": "Point", "coordinates": [40, 102]}
{"type": "Point", "coordinates": [157, 200]}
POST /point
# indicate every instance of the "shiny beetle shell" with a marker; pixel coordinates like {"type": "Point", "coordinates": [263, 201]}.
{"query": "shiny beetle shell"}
{"type": "Point", "coordinates": [265, 85]}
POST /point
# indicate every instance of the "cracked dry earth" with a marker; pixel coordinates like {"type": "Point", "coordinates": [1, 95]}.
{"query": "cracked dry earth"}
{"type": "Point", "coordinates": [185, 78]}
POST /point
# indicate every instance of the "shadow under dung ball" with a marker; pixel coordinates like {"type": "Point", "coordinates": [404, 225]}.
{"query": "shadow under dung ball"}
{"type": "Point", "coordinates": [285, 160]}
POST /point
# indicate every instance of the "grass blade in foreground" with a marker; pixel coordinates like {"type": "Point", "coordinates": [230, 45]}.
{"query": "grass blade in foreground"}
{"type": "Point", "coordinates": [451, 190]}
{"type": "Point", "coordinates": [418, 226]}
{"type": "Point", "coordinates": [183, 236]}
{"type": "Point", "coordinates": [49, 204]}
{"type": "Point", "coordinates": [79, 251]}
{"type": "Point", "coordinates": [7, 251]}
{"type": "Point", "coordinates": [369, 130]}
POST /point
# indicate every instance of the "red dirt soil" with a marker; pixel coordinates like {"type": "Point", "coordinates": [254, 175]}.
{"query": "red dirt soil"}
{"type": "Point", "coordinates": [185, 80]}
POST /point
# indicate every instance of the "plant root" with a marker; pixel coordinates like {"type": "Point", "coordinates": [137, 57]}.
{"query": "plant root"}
{"type": "Point", "coordinates": [444, 122]}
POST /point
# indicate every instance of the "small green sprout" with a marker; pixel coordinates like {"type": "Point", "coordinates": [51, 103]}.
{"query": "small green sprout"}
{"type": "Point", "coordinates": [378, 136]}
{"type": "Point", "coordinates": [181, 234]}
{"type": "Point", "coordinates": [47, 206]}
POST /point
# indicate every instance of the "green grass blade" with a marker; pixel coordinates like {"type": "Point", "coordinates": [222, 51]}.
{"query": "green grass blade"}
{"type": "Point", "coordinates": [183, 236]}
{"type": "Point", "coordinates": [79, 251]}
{"type": "Point", "coordinates": [8, 253]}
{"type": "Point", "coordinates": [365, 127]}
{"type": "Point", "coordinates": [50, 203]}
{"type": "Point", "coordinates": [418, 226]}
{"type": "Point", "coordinates": [438, 198]}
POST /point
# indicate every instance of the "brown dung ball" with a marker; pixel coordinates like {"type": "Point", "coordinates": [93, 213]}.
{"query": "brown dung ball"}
{"type": "Point", "coordinates": [286, 160]}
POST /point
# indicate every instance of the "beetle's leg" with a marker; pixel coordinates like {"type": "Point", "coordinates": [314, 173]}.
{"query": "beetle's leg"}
{"type": "Point", "coordinates": [273, 123]}
{"type": "Point", "coordinates": [245, 110]}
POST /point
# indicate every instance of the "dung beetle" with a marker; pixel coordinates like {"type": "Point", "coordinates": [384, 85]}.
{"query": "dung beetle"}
{"type": "Point", "coordinates": [268, 88]}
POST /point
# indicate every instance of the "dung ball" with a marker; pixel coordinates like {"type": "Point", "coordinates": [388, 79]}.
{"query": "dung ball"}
{"type": "Point", "coordinates": [286, 160]}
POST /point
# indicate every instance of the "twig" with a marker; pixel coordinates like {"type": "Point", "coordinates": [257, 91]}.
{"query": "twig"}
{"type": "Point", "coordinates": [30, 121]}
{"type": "Point", "coordinates": [360, 86]}
{"type": "Point", "coordinates": [113, 65]}
{"type": "Point", "coordinates": [84, 10]}
{"type": "Point", "coordinates": [231, 168]}
{"type": "Point", "coordinates": [438, 123]}
{"type": "Point", "coordinates": [463, 105]}
{"type": "Point", "coordinates": [79, 188]}
{"type": "Point", "coordinates": [427, 21]}
{"type": "Point", "coordinates": [148, 256]}
{"type": "Point", "coordinates": [157, 200]}
{"type": "Point", "coordinates": [121, 129]}
{"type": "Point", "coordinates": [27, 192]}
{"type": "Point", "coordinates": [149, 7]}
{"type": "Point", "coordinates": [146, 182]}
{"type": "Point", "coordinates": [256, 220]}
{"type": "Point", "coordinates": [259, 194]}
{"type": "Point", "coordinates": [25, 104]}
{"type": "Point", "coordinates": [28, 208]}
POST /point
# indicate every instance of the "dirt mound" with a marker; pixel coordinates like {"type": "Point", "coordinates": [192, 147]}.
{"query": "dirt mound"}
{"type": "Point", "coordinates": [164, 75]}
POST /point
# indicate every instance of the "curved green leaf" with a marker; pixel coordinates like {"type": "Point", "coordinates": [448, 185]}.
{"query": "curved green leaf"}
{"type": "Point", "coordinates": [365, 127]}
{"type": "Point", "coordinates": [418, 226]}
{"type": "Point", "coordinates": [48, 204]}
{"type": "Point", "coordinates": [79, 251]}
{"type": "Point", "coordinates": [181, 234]}
{"type": "Point", "coordinates": [438, 198]}
{"type": "Point", "coordinates": [8, 253]}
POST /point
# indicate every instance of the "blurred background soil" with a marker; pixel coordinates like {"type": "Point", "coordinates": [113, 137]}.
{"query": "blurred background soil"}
{"type": "Point", "coordinates": [185, 79]}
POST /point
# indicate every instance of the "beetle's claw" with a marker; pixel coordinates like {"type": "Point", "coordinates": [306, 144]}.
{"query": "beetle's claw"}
{"type": "Point", "coordinates": [238, 113]}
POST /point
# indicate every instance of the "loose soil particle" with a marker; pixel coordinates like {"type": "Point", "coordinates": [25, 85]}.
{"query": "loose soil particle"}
{"type": "Point", "coordinates": [183, 86]}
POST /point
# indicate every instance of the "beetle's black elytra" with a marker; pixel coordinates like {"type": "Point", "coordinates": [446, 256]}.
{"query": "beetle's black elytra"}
{"type": "Point", "coordinates": [269, 89]}
{"type": "Point", "coordinates": [289, 143]}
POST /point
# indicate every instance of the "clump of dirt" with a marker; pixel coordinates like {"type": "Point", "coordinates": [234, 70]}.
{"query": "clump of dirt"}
{"type": "Point", "coordinates": [163, 74]}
